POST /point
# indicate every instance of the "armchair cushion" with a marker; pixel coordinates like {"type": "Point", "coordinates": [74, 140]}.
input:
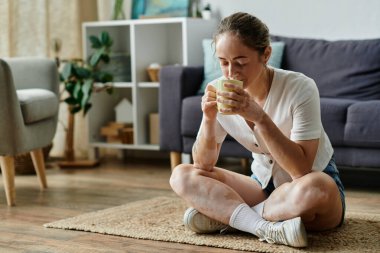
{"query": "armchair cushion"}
{"type": "Point", "coordinates": [37, 104]}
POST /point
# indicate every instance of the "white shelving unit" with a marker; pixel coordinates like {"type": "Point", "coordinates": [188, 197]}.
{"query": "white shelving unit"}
{"type": "Point", "coordinates": [165, 41]}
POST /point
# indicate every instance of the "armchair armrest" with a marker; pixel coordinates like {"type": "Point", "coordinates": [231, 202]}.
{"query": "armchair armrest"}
{"type": "Point", "coordinates": [33, 72]}
{"type": "Point", "coordinates": [176, 83]}
{"type": "Point", "coordinates": [10, 111]}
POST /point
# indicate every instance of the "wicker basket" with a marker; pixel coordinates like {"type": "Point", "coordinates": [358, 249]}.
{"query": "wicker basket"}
{"type": "Point", "coordinates": [154, 74]}
{"type": "Point", "coordinates": [24, 164]}
{"type": "Point", "coordinates": [126, 135]}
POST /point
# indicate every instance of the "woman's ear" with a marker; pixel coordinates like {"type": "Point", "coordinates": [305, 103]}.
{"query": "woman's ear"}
{"type": "Point", "coordinates": [267, 53]}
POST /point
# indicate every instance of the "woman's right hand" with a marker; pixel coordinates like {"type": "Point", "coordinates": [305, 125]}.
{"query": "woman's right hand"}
{"type": "Point", "coordinates": [209, 106]}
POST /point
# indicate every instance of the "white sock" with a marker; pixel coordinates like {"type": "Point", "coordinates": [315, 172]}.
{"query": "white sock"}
{"type": "Point", "coordinates": [245, 219]}
{"type": "Point", "coordinates": [259, 209]}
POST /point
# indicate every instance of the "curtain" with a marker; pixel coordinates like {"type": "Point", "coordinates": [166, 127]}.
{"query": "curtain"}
{"type": "Point", "coordinates": [29, 27]}
{"type": "Point", "coordinates": [32, 27]}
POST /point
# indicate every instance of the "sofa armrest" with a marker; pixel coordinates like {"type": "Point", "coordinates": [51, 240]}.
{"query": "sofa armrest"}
{"type": "Point", "coordinates": [176, 83]}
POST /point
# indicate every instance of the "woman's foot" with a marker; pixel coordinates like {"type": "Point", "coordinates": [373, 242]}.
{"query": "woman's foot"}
{"type": "Point", "coordinates": [289, 232]}
{"type": "Point", "coordinates": [200, 223]}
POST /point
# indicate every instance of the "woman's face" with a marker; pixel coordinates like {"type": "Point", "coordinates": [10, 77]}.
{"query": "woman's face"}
{"type": "Point", "coordinates": [238, 61]}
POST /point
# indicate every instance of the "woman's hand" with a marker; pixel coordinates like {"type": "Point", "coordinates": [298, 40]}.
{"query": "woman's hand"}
{"type": "Point", "coordinates": [239, 102]}
{"type": "Point", "coordinates": [209, 107]}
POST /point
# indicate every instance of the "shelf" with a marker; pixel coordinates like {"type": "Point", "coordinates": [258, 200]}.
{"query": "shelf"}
{"type": "Point", "coordinates": [148, 84]}
{"type": "Point", "coordinates": [125, 146]}
{"type": "Point", "coordinates": [123, 85]}
{"type": "Point", "coordinates": [140, 21]}
{"type": "Point", "coordinates": [136, 45]}
{"type": "Point", "coordinates": [116, 85]}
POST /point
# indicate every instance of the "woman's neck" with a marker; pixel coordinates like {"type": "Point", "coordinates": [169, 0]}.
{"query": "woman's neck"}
{"type": "Point", "coordinates": [260, 88]}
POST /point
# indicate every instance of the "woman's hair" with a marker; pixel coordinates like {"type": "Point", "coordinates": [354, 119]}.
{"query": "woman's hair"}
{"type": "Point", "coordinates": [249, 29]}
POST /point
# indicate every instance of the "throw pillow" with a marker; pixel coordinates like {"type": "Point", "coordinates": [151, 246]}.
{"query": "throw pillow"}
{"type": "Point", "coordinates": [211, 64]}
{"type": "Point", "coordinates": [275, 59]}
{"type": "Point", "coordinates": [212, 69]}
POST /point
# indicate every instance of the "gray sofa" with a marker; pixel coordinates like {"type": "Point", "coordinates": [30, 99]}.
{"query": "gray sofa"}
{"type": "Point", "coordinates": [347, 74]}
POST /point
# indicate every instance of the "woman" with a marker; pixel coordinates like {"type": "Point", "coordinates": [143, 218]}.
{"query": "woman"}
{"type": "Point", "coordinates": [276, 115]}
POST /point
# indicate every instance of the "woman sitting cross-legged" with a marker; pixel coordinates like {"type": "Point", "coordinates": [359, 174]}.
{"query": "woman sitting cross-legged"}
{"type": "Point", "coordinates": [295, 185]}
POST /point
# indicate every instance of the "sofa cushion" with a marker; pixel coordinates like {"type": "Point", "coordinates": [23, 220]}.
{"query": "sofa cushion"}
{"type": "Point", "coordinates": [191, 116]}
{"type": "Point", "coordinates": [363, 125]}
{"type": "Point", "coordinates": [334, 117]}
{"type": "Point", "coordinates": [345, 69]}
{"type": "Point", "coordinates": [37, 104]}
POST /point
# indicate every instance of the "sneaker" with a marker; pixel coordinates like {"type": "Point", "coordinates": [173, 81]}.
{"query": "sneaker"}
{"type": "Point", "coordinates": [200, 223]}
{"type": "Point", "coordinates": [290, 232]}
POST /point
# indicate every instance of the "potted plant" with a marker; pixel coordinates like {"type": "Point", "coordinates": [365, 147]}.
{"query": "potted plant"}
{"type": "Point", "coordinates": [206, 12]}
{"type": "Point", "coordinates": [79, 79]}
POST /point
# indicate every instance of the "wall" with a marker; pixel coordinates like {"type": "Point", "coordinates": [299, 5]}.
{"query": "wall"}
{"type": "Point", "coordinates": [326, 19]}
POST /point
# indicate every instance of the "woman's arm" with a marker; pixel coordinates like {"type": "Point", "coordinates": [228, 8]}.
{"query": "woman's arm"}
{"type": "Point", "coordinates": [296, 157]}
{"type": "Point", "coordinates": [206, 149]}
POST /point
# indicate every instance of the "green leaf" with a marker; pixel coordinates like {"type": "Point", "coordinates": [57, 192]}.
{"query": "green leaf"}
{"type": "Point", "coordinates": [105, 58]}
{"type": "Point", "coordinates": [87, 108]}
{"type": "Point", "coordinates": [82, 72]}
{"type": "Point", "coordinates": [86, 90]}
{"type": "Point", "coordinates": [94, 60]}
{"type": "Point", "coordinates": [77, 92]}
{"type": "Point", "coordinates": [87, 86]}
{"type": "Point", "coordinates": [71, 101]}
{"type": "Point", "coordinates": [95, 42]}
{"type": "Point", "coordinates": [105, 39]}
{"type": "Point", "coordinates": [67, 70]}
{"type": "Point", "coordinates": [103, 77]}
{"type": "Point", "coordinates": [69, 87]}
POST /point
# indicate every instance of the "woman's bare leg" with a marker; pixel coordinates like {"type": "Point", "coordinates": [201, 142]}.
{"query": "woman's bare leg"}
{"type": "Point", "coordinates": [314, 197]}
{"type": "Point", "coordinates": [216, 193]}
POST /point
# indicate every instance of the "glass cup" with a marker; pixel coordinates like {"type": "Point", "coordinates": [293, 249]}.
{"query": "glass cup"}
{"type": "Point", "coordinates": [220, 87]}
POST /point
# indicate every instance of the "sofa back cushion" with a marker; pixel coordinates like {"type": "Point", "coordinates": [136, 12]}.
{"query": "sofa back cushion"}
{"type": "Point", "coordinates": [346, 68]}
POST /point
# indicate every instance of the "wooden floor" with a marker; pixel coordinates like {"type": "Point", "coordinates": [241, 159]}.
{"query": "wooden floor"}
{"type": "Point", "coordinates": [75, 191]}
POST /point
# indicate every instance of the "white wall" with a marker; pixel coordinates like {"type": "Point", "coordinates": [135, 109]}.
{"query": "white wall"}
{"type": "Point", "coordinates": [326, 19]}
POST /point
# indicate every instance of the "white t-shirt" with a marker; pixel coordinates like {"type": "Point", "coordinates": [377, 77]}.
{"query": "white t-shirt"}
{"type": "Point", "coordinates": [293, 105]}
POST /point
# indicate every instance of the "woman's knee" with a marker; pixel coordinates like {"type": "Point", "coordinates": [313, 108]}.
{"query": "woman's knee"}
{"type": "Point", "coordinates": [314, 189]}
{"type": "Point", "coordinates": [180, 178]}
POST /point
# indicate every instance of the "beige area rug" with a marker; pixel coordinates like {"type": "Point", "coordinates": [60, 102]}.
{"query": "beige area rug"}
{"type": "Point", "coordinates": [161, 219]}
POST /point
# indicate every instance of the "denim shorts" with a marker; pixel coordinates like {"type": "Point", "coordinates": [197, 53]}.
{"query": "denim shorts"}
{"type": "Point", "coordinates": [330, 170]}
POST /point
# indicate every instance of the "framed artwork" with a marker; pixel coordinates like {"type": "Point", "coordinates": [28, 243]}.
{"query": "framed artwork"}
{"type": "Point", "coordinates": [160, 8]}
{"type": "Point", "coordinates": [138, 8]}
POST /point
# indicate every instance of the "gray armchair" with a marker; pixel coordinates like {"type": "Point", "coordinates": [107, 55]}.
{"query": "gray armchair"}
{"type": "Point", "coordinates": [28, 112]}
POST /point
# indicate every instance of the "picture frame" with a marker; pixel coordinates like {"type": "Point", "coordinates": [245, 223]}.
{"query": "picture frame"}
{"type": "Point", "coordinates": [138, 8]}
{"type": "Point", "coordinates": [160, 8]}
